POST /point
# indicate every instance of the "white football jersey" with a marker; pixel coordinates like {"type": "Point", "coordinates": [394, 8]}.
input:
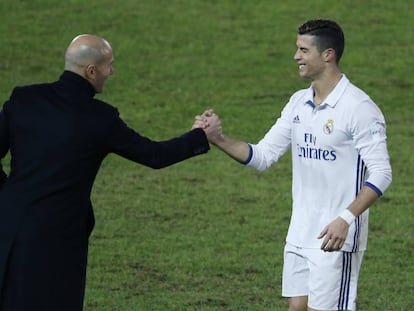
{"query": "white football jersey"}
{"type": "Point", "coordinates": [337, 147]}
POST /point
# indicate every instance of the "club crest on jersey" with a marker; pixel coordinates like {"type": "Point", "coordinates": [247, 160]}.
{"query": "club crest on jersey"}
{"type": "Point", "coordinates": [328, 127]}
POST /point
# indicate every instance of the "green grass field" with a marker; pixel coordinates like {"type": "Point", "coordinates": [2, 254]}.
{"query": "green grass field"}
{"type": "Point", "coordinates": [208, 234]}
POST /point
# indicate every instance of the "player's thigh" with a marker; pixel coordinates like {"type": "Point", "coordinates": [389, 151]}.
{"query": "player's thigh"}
{"type": "Point", "coordinates": [333, 280]}
{"type": "Point", "coordinates": [295, 276]}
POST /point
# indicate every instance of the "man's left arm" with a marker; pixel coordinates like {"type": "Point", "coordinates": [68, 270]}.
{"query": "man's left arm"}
{"type": "Point", "coordinates": [371, 142]}
{"type": "Point", "coordinates": [4, 146]}
{"type": "Point", "coordinates": [336, 232]}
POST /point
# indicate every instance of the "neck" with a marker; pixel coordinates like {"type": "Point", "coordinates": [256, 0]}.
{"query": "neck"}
{"type": "Point", "coordinates": [323, 86]}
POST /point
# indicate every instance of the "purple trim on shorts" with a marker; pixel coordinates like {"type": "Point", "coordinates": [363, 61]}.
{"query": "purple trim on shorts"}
{"type": "Point", "coordinates": [345, 281]}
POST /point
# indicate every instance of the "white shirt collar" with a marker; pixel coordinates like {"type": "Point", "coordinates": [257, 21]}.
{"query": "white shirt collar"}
{"type": "Point", "coordinates": [333, 97]}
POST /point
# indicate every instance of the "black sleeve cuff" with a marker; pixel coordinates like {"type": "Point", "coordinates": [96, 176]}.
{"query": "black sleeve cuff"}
{"type": "Point", "coordinates": [197, 140]}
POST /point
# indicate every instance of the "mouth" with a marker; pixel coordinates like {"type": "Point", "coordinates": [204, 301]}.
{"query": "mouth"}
{"type": "Point", "coordinates": [301, 66]}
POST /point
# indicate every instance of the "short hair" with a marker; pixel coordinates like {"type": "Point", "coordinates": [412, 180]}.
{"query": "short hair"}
{"type": "Point", "coordinates": [327, 33]}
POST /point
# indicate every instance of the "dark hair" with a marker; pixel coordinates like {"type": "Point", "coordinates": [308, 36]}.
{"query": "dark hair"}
{"type": "Point", "coordinates": [327, 33]}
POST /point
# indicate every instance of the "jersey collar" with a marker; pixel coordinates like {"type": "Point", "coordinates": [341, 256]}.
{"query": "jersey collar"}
{"type": "Point", "coordinates": [333, 97]}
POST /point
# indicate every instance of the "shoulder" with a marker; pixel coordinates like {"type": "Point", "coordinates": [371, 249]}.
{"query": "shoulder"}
{"type": "Point", "coordinates": [102, 112]}
{"type": "Point", "coordinates": [296, 101]}
{"type": "Point", "coordinates": [362, 115]}
{"type": "Point", "coordinates": [27, 93]}
{"type": "Point", "coordinates": [29, 90]}
{"type": "Point", "coordinates": [355, 93]}
{"type": "Point", "coordinates": [359, 102]}
{"type": "Point", "coordinates": [299, 95]}
{"type": "Point", "coordinates": [103, 106]}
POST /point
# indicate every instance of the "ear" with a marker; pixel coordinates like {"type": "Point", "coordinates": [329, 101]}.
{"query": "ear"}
{"type": "Point", "coordinates": [90, 72]}
{"type": "Point", "coordinates": [329, 55]}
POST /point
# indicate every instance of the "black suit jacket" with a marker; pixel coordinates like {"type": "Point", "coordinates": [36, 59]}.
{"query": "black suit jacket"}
{"type": "Point", "coordinates": [58, 135]}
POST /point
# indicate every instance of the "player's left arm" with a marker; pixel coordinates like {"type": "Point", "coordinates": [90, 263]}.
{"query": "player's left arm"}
{"type": "Point", "coordinates": [334, 234]}
{"type": "Point", "coordinates": [369, 135]}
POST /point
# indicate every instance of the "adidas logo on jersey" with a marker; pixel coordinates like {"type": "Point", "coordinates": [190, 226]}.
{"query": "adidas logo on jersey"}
{"type": "Point", "coordinates": [296, 119]}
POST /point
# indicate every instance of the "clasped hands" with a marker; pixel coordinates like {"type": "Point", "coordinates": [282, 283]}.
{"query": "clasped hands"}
{"type": "Point", "coordinates": [210, 123]}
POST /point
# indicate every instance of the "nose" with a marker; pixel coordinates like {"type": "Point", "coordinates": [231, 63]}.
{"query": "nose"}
{"type": "Point", "coordinates": [296, 56]}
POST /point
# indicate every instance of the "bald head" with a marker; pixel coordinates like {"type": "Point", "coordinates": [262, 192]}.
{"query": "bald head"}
{"type": "Point", "coordinates": [85, 50]}
{"type": "Point", "coordinates": [91, 57]}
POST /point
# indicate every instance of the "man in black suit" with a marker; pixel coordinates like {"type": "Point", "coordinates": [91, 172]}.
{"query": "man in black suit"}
{"type": "Point", "coordinates": [58, 136]}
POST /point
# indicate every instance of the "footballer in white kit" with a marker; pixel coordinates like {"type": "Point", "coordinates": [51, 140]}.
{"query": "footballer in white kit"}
{"type": "Point", "coordinates": [335, 146]}
{"type": "Point", "coordinates": [337, 136]}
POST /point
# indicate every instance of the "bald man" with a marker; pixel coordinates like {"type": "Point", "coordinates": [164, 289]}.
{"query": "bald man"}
{"type": "Point", "coordinates": [91, 57]}
{"type": "Point", "coordinates": [58, 136]}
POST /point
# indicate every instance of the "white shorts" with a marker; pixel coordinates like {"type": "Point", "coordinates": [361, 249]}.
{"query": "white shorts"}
{"type": "Point", "coordinates": [329, 279]}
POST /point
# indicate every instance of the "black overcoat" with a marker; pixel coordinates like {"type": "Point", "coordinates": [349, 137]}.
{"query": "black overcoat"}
{"type": "Point", "coordinates": [58, 135]}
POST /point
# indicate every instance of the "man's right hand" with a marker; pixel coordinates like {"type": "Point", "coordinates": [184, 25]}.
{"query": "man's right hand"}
{"type": "Point", "coordinates": [210, 123]}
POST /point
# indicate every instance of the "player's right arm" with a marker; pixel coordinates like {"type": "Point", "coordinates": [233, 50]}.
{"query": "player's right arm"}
{"type": "Point", "coordinates": [237, 149]}
{"type": "Point", "coordinates": [258, 156]}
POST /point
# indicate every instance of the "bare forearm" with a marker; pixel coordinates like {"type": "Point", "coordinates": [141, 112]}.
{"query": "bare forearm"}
{"type": "Point", "coordinates": [335, 233]}
{"type": "Point", "coordinates": [238, 150]}
{"type": "Point", "coordinates": [363, 201]}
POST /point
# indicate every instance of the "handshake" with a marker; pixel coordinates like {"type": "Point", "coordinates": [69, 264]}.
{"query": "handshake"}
{"type": "Point", "coordinates": [211, 125]}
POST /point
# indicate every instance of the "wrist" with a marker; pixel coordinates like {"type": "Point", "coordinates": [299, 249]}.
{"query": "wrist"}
{"type": "Point", "coordinates": [217, 139]}
{"type": "Point", "coordinates": [347, 216]}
